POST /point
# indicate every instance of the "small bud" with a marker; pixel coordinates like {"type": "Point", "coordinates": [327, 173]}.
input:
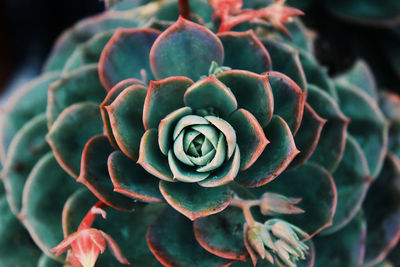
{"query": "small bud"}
{"type": "Point", "coordinates": [275, 203]}
{"type": "Point", "coordinates": [255, 239]}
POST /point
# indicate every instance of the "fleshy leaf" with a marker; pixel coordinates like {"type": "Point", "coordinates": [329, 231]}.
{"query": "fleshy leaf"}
{"type": "Point", "coordinates": [352, 181]}
{"type": "Point", "coordinates": [332, 141]}
{"type": "Point", "coordinates": [119, 61]}
{"type": "Point", "coordinates": [226, 173]}
{"type": "Point", "coordinates": [222, 234]}
{"type": "Point", "coordinates": [209, 92]}
{"type": "Point", "coordinates": [66, 141]}
{"type": "Point", "coordinates": [318, 196]}
{"type": "Point", "coordinates": [390, 105]}
{"type": "Point", "coordinates": [151, 158]}
{"type": "Point", "coordinates": [308, 135]}
{"type": "Point", "coordinates": [82, 85]}
{"type": "Point", "coordinates": [185, 49]}
{"type": "Point", "coordinates": [39, 215]}
{"type": "Point", "coordinates": [252, 93]}
{"type": "Point", "coordinates": [172, 242]}
{"type": "Point", "coordinates": [343, 248]}
{"type": "Point", "coordinates": [368, 125]}
{"type": "Point", "coordinates": [125, 114]}
{"type": "Point", "coordinates": [250, 137]}
{"type": "Point", "coordinates": [111, 96]}
{"type": "Point", "coordinates": [183, 172]}
{"type": "Point", "coordinates": [286, 60]}
{"type": "Point", "coordinates": [27, 147]}
{"type": "Point", "coordinates": [22, 106]}
{"type": "Point", "coordinates": [244, 51]}
{"type": "Point", "coordinates": [227, 130]}
{"type": "Point", "coordinates": [289, 99]}
{"type": "Point", "coordinates": [195, 201]}
{"type": "Point", "coordinates": [46, 261]}
{"type": "Point", "coordinates": [126, 228]}
{"type": "Point", "coordinates": [382, 211]}
{"type": "Point", "coordinates": [94, 174]}
{"type": "Point", "coordinates": [89, 52]}
{"type": "Point", "coordinates": [131, 179]}
{"type": "Point", "coordinates": [275, 158]}
{"type": "Point", "coordinates": [163, 97]}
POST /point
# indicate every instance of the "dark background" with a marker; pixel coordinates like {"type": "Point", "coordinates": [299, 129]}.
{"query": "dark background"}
{"type": "Point", "coordinates": [28, 29]}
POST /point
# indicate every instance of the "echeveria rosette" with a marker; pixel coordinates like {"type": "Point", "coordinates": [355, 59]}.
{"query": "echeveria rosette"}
{"type": "Point", "coordinates": [195, 134]}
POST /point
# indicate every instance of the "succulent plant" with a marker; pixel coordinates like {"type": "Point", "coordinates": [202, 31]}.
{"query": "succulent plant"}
{"type": "Point", "coordinates": [203, 148]}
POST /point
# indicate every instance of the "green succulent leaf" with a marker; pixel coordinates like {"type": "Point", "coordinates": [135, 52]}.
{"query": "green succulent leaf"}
{"type": "Point", "coordinates": [131, 179]}
{"type": "Point", "coordinates": [28, 102]}
{"type": "Point", "coordinates": [383, 224]}
{"type": "Point", "coordinates": [185, 49]}
{"type": "Point", "coordinates": [252, 93]}
{"type": "Point", "coordinates": [307, 137]}
{"type": "Point", "coordinates": [125, 114]}
{"type": "Point", "coordinates": [222, 234]}
{"type": "Point", "coordinates": [368, 125]}
{"type": "Point", "coordinates": [286, 60]}
{"type": "Point", "coordinates": [27, 147]}
{"type": "Point", "coordinates": [127, 228]}
{"type": "Point", "coordinates": [210, 92]}
{"type": "Point", "coordinates": [152, 159]}
{"type": "Point", "coordinates": [182, 172]}
{"type": "Point", "coordinates": [89, 52]}
{"type": "Point", "coordinates": [289, 99]}
{"type": "Point", "coordinates": [332, 141]}
{"type": "Point", "coordinates": [83, 31]}
{"type": "Point", "coordinates": [343, 248]}
{"type": "Point", "coordinates": [352, 181]}
{"type": "Point", "coordinates": [195, 201]}
{"type": "Point", "coordinates": [46, 261]}
{"type": "Point", "coordinates": [13, 235]}
{"type": "Point", "coordinates": [66, 141]}
{"type": "Point", "coordinates": [318, 196]}
{"type": "Point", "coordinates": [42, 204]}
{"type": "Point", "coordinates": [250, 137]}
{"type": "Point", "coordinates": [119, 61]}
{"type": "Point", "coordinates": [82, 85]}
{"type": "Point", "coordinates": [390, 106]}
{"type": "Point", "coordinates": [164, 97]}
{"type": "Point", "coordinates": [172, 241]}
{"type": "Point", "coordinates": [111, 96]}
{"type": "Point", "coordinates": [360, 75]}
{"type": "Point", "coordinates": [94, 174]}
{"type": "Point", "coordinates": [244, 51]}
{"type": "Point", "coordinates": [275, 158]}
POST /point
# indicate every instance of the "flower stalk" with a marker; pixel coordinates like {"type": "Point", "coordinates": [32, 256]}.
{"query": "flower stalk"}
{"type": "Point", "coordinates": [184, 9]}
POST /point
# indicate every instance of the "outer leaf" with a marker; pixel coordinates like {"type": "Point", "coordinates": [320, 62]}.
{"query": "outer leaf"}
{"type": "Point", "coordinates": [352, 181]}
{"type": "Point", "coordinates": [119, 61]}
{"type": "Point", "coordinates": [318, 196]}
{"type": "Point", "coordinates": [286, 60]}
{"type": "Point", "coordinates": [164, 97]}
{"type": "Point", "coordinates": [345, 247]}
{"type": "Point", "coordinates": [94, 174]}
{"type": "Point", "coordinates": [82, 85]}
{"type": "Point", "coordinates": [244, 51]}
{"type": "Point", "coordinates": [308, 135]}
{"type": "Point", "coordinates": [67, 141]}
{"type": "Point", "coordinates": [289, 99]}
{"type": "Point", "coordinates": [390, 106]}
{"type": "Point", "coordinates": [125, 114]}
{"type": "Point", "coordinates": [333, 136]}
{"type": "Point", "coordinates": [185, 49]}
{"type": "Point", "coordinates": [25, 104]}
{"type": "Point", "coordinates": [222, 234]}
{"type": "Point", "coordinates": [383, 223]}
{"type": "Point", "coordinates": [252, 93]}
{"type": "Point", "coordinates": [46, 261]}
{"type": "Point", "coordinates": [27, 147]}
{"type": "Point", "coordinates": [39, 215]}
{"type": "Point", "coordinates": [127, 228]}
{"type": "Point", "coordinates": [195, 201]}
{"type": "Point", "coordinates": [131, 179]}
{"type": "Point", "coordinates": [368, 125]}
{"type": "Point", "coordinates": [275, 158]}
{"type": "Point", "coordinates": [172, 242]}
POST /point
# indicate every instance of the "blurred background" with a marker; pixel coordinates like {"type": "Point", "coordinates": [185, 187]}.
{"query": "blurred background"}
{"type": "Point", "coordinates": [28, 29]}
